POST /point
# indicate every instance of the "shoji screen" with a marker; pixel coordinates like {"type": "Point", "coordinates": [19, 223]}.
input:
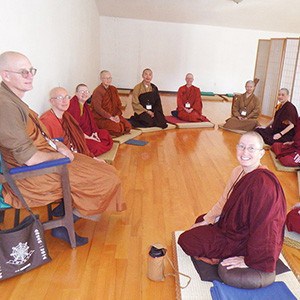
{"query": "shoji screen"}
{"type": "Point", "coordinates": [273, 76]}
{"type": "Point", "coordinates": [295, 97]}
{"type": "Point", "coordinates": [289, 64]}
{"type": "Point", "coordinates": [262, 56]}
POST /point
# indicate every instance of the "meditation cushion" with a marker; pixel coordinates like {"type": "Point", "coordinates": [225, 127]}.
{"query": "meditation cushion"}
{"type": "Point", "coordinates": [247, 278]}
{"type": "Point", "coordinates": [293, 220]}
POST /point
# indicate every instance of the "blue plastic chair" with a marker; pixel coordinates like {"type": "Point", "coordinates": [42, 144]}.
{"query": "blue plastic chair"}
{"type": "Point", "coordinates": [54, 166]}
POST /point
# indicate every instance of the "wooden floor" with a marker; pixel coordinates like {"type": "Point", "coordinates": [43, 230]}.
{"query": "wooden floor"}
{"type": "Point", "coordinates": [178, 175]}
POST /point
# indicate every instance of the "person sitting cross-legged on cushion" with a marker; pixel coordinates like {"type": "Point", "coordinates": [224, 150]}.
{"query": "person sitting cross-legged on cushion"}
{"type": "Point", "coordinates": [244, 230]}
{"type": "Point", "coordinates": [189, 102]}
{"type": "Point", "coordinates": [107, 107]}
{"type": "Point", "coordinates": [282, 126]}
{"type": "Point", "coordinates": [98, 140]}
{"type": "Point", "coordinates": [245, 110]}
{"type": "Point", "coordinates": [146, 104]}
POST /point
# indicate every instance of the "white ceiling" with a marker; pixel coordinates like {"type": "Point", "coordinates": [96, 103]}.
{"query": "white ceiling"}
{"type": "Point", "coordinates": [265, 15]}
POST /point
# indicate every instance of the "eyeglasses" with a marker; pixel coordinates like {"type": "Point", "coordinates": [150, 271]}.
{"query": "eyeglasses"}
{"type": "Point", "coordinates": [59, 98]}
{"type": "Point", "coordinates": [250, 149]}
{"type": "Point", "coordinates": [83, 92]}
{"type": "Point", "coordinates": [25, 73]}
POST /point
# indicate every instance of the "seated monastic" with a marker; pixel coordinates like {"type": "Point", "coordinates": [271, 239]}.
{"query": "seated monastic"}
{"type": "Point", "coordinates": [288, 153]}
{"type": "Point", "coordinates": [245, 110]}
{"type": "Point", "coordinates": [106, 106]}
{"type": "Point", "coordinates": [25, 141]}
{"type": "Point", "coordinates": [282, 126]}
{"type": "Point", "coordinates": [245, 227]}
{"type": "Point", "coordinates": [98, 140]}
{"type": "Point", "coordinates": [146, 104]}
{"type": "Point", "coordinates": [189, 102]}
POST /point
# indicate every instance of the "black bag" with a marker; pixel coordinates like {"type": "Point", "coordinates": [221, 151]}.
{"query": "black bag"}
{"type": "Point", "coordinates": [23, 247]}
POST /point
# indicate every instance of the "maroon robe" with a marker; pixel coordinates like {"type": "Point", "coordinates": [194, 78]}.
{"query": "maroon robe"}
{"type": "Point", "coordinates": [87, 123]}
{"type": "Point", "coordinates": [285, 114]}
{"type": "Point", "coordinates": [191, 95]}
{"type": "Point", "coordinates": [293, 220]}
{"type": "Point", "coordinates": [289, 155]}
{"type": "Point", "coordinates": [251, 224]}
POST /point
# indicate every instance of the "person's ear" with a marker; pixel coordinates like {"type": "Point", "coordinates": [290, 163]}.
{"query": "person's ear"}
{"type": "Point", "coordinates": [262, 153]}
{"type": "Point", "coordinates": [5, 75]}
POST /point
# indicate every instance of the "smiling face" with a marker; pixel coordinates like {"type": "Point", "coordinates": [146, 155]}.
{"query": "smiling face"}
{"type": "Point", "coordinates": [250, 151]}
{"type": "Point", "coordinates": [60, 100]}
{"type": "Point", "coordinates": [249, 87]}
{"type": "Point", "coordinates": [106, 78]}
{"type": "Point", "coordinates": [283, 96]}
{"type": "Point", "coordinates": [13, 64]}
{"type": "Point", "coordinates": [82, 93]}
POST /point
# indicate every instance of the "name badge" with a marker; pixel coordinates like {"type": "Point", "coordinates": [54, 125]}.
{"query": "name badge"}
{"type": "Point", "coordinates": [149, 106]}
{"type": "Point", "coordinates": [243, 113]}
{"type": "Point", "coordinates": [52, 144]}
{"type": "Point", "coordinates": [187, 105]}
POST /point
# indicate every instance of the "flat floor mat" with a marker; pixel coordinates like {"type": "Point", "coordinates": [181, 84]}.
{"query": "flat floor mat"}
{"type": "Point", "coordinates": [279, 166]}
{"type": "Point", "coordinates": [183, 124]}
{"type": "Point", "coordinates": [198, 289]}
{"type": "Point", "coordinates": [110, 155]}
{"type": "Point", "coordinates": [136, 142]}
{"type": "Point", "coordinates": [125, 137]}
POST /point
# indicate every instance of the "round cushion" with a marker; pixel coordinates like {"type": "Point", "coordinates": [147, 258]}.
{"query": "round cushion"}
{"type": "Point", "coordinates": [293, 220]}
{"type": "Point", "coordinates": [246, 278]}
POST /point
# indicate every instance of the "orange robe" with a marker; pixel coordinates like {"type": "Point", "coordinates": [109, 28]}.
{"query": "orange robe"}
{"type": "Point", "coordinates": [105, 104]}
{"type": "Point", "coordinates": [66, 128]}
{"type": "Point", "coordinates": [94, 185]}
{"type": "Point", "coordinates": [190, 97]}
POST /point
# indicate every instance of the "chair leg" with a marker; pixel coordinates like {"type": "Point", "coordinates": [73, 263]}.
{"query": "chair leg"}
{"type": "Point", "coordinates": [17, 217]}
{"type": "Point", "coordinates": [49, 210]}
{"type": "Point", "coordinates": [2, 215]}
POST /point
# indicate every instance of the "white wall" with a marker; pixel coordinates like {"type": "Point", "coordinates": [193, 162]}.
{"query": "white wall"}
{"type": "Point", "coordinates": [220, 58]}
{"type": "Point", "coordinates": [61, 39]}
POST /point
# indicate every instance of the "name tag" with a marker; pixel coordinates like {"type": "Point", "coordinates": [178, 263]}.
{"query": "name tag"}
{"type": "Point", "coordinates": [243, 113]}
{"type": "Point", "coordinates": [149, 106]}
{"type": "Point", "coordinates": [187, 105]}
{"type": "Point", "coordinates": [51, 144]}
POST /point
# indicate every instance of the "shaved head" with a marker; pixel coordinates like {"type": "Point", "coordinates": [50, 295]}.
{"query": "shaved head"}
{"type": "Point", "coordinates": [9, 59]}
{"type": "Point", "coordinates": [57, 91]}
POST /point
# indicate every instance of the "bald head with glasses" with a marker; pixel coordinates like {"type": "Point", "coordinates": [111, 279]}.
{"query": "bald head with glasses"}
{"type": "Point", "coordinates": [16, 72]}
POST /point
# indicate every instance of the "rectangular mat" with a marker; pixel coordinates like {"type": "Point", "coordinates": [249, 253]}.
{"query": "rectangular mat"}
{"type": "Point", "coordinates": [198, 289]}
{"type": "Point", "coordinates": [125, 137]}
{"type": "Point", "coordinates": [110, 155]}
{"type": "Point", "coordinates": [183, 124]}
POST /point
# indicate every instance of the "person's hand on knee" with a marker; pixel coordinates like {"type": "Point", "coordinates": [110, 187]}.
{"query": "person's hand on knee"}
{"type": "Point", "coordinates": [234, 262]}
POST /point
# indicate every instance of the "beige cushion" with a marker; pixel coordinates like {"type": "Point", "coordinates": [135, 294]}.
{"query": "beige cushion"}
{"type": "Point", "coordinates": [279, 166]}
{"type": "Point", "coordinates": [110, 155]}
{"type": "Point", "coordinates": [125, 137]}
{"type": "Point", "coordinates": [195, 125]}
{"type": "Point", "coordinates": [232, 130]}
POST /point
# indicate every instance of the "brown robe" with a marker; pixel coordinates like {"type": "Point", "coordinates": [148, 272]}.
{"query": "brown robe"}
{"type": "Point", "coordinates": [251, 106]}
{"type": "Point", "coordinates": [94, 185]}
{"type": "Point", "coordinates": [251, 224]}
{"type": "Point", "coordinates": [106, 103]}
